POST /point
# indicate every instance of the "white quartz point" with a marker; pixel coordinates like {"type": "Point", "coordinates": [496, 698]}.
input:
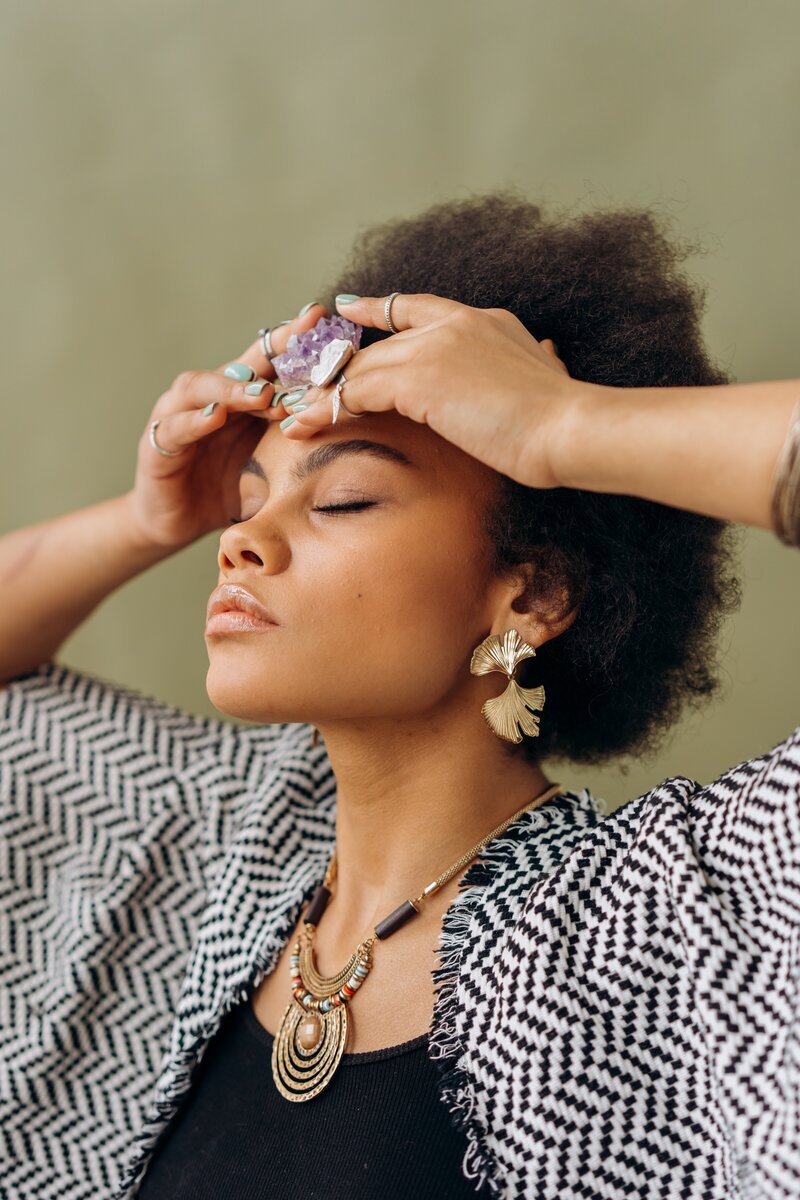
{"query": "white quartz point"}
{"type": "Point", "coordinates": [331, 360]}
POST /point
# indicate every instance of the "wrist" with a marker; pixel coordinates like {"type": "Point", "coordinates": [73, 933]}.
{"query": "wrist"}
{"type": "Point", "coordinates": [585, 418]}
{"type": "Point", "coordinates": [144, 550]}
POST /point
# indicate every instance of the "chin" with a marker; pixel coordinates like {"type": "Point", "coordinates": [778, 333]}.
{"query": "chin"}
{"type": "Point", "coordinates": [230, 694]}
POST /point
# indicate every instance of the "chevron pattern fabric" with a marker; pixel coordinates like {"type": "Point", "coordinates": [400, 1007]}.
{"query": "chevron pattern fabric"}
{"type": "Point", "coordinates": [617, 1001]}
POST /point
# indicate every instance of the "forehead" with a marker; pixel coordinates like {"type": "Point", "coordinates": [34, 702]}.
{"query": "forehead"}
{"type": "Point", "coordinates": [429, 455]}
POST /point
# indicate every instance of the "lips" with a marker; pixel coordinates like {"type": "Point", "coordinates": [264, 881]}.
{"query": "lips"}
{"type": "Point", "coordinates": [233, 597]}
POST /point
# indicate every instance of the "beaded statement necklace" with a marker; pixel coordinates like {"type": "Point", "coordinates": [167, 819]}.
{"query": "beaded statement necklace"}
{"type": "Point", "coordinates": [312, 1037]}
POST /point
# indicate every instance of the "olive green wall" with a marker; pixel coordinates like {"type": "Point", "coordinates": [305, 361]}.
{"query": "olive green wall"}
{"type": "Point", "coordinates": [178, 174]}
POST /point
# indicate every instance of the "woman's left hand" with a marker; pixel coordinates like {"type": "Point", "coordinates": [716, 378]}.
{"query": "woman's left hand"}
{"type": "Point", "coordinates": [474, 376]}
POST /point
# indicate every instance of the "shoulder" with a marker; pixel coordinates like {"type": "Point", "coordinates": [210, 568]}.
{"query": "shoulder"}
{"type": "Point", "coordinates": [672, 924]}
{"type": "Point", "coordinates": [55, 694]}
{"type": "Point", "coordinates": [110, 780]}
{"type": "Point", "coordinates": [65, 731]}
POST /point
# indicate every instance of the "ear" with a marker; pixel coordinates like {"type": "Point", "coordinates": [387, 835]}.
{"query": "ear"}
{"type": "Point", "coordinates": [536, 627]}
{"type": "Point", "coordinates": [536, 619]}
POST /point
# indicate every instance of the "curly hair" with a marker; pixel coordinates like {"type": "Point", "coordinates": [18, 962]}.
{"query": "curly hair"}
{"type": "Point", "coordinates": [651, 583]}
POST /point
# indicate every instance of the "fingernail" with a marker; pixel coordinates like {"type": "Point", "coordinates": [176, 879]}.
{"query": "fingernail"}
{"type": "Point", "coordinates": [255, 389]}
{"type": "Point", "coordinates": [298, 406]}
{"type": "Point", "coordinates": [291, 398]}
{"type": "Point", "coordinates": [276, 399]}
{"type": "Point", "coordinates": [307, 308]}
{"type": "Point", "coordinates": [209, 408]}
{"type": "Point", "coordinates": [239, 371]}
{"type": "Point", "coordinates": [346, 298]}
{"type": "Point", "coordinates": [287, 421]}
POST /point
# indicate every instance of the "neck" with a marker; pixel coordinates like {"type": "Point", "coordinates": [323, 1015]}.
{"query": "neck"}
{"type": "Point", "coordinates": [411, 799]}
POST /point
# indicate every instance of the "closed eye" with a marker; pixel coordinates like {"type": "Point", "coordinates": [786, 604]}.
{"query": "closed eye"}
{"type": "Point", "coordinates": [354, 506]}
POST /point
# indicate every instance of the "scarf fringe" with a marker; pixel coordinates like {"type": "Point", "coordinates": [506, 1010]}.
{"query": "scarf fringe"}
{"type": "Point", "coordinates": [446, 1047]}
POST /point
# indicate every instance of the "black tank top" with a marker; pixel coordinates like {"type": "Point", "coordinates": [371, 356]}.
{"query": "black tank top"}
{"type": "Point", "coordinates": [378, 1130]}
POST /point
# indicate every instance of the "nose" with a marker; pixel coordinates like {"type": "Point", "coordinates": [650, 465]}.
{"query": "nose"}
{"type": "Point", "coordinates": [239, 545]}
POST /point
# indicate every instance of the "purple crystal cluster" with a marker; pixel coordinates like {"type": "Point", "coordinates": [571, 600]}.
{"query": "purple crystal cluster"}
{"type": "Point", "coordinates": [302, 353]}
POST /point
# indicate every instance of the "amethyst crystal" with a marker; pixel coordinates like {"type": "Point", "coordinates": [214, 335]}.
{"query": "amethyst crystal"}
{"type": "Point", "coordinates": [303, 351]}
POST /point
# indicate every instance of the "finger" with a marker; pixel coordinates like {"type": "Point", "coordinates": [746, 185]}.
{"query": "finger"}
{"type": "Point", "coordinates": [366, 393]}
{"type": "Point", "coordinates": [196, 389]}
{"type": "Point", "coordinates": [253, 356]}
{"type": "Point", "coordinates": [182, 430]}
{"type": "Point", "coordinates": [388, 352]}
{"type": "Point", "coordinates": [408, 311]}
{"type": "Point", "coordinates": [367, 383]}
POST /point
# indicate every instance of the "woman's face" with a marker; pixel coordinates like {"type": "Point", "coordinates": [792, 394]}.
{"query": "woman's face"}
{"type": "Point", "coordinates": [379, 608]}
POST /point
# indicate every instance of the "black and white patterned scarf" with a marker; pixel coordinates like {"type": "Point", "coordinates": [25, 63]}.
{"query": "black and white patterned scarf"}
{"type": "Point", "coordinates": [617, 1002]}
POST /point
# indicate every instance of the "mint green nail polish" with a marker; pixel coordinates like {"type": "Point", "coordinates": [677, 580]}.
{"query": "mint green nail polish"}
{"type": "Point", "coordinates": [209, 408]}
{"type": "Point", "coordinates": [255, 389]}
{"type": "Point", "coordinates": [287, 421]}
{"type": "Point", "coordinates": [298, 406]}
{"type": "Point", "coordinates": [276, 399]}
{"type": "Point", "coordinates": [291, 398]}
{"type": "Point", "coordinates": [347, 298]}
{"type": "Point", "coordinates": [239, 371]}
{"type": "Point", "coordinates": [307, 308]}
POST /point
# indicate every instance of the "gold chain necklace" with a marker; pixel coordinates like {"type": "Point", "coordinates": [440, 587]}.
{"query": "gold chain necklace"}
{"type": "Point", "coordinates": [311, 1040]}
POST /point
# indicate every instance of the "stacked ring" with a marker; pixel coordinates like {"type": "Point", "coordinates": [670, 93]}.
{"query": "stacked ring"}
{"type": "Point", "coordinates": [266, 342]}
{"type": "Point", "coordinates": [387, 312]}
{"type": "Point", "coordinates": [266, 338]}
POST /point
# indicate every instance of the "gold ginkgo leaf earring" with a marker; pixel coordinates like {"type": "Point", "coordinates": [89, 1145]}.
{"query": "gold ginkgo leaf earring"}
{"type": "Point", "coordinates": [509, 713]}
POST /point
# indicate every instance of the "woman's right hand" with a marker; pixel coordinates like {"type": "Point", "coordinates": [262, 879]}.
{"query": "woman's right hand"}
{"type": "Point", "coordinates": [175, 501]}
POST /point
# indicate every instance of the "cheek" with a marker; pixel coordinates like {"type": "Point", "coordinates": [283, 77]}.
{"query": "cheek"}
{"type": "Point", "coordinates": [414, 594]}
{"type": "Point", "coordinates": [377, 624]}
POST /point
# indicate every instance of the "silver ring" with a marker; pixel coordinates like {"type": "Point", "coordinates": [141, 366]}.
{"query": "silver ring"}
{"type": "Point", "coordinates": [387, 312]}
{"type": "Point", "coordinates": [167, 453]}
{"type": "Point", "coordinates": [337, 402]}
{"type": "Point", "coordinates": [267, 348]}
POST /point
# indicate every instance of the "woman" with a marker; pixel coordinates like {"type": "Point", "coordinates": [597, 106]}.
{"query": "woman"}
{"type": "Point", "coordinates": [588, 1005]}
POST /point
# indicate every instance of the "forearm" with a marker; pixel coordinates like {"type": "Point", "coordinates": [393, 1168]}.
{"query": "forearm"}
{"type": "Point", "coordinates": [53, 574]}
{"type": "Point", "coordinates": [711, 450]}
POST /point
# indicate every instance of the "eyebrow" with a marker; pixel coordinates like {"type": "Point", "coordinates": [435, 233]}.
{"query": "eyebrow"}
{"type": "Point", "coordinates": [322, 456]}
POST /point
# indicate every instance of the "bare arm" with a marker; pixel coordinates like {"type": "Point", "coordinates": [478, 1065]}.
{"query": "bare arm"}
{"type": "Point", "coordinates": [55, 573]}
{"type": "Point", "coordinates": [478, 378]}
{"type": "Point", "coordinates": [711, 450]}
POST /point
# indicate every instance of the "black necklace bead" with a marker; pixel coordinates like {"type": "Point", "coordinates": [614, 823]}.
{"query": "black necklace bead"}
{"type": "Point", "coordinates": [395, 919]}
{"type": "Point", "coordinates": [317, 906]}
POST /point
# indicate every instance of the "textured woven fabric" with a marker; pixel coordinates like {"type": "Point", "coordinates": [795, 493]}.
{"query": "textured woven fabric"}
{"type": "Point", "coordinates": [617, 1000]}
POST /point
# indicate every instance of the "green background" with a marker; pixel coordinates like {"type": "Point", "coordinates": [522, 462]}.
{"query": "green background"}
{"type": "Point", "coordinates": [177, 175]}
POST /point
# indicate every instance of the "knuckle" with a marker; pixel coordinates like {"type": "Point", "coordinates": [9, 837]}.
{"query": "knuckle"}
{"type": "Point", "coordinates": [454, 327]}
{"type": "Point", "coordinates": [185, 381]}
{"type": "Point", "coordinates": [462, 318]}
